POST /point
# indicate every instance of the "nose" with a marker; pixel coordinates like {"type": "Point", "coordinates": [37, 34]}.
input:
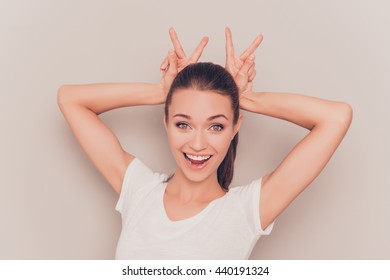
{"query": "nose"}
{"type": "Point", "coordinates": [198, 141]}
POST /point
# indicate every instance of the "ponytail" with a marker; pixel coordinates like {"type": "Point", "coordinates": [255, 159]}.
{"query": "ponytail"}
{"type": "Point", "coordinates": [226, 168]}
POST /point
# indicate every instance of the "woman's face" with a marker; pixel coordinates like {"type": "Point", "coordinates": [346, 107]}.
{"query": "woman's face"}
{"type": "Point", "coordinates": [200, 128]}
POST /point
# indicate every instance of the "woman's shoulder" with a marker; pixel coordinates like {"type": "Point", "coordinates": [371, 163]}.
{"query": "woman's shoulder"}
{"type": "Point", "coordinates": [138, 171]}
{"type": "Point", "coordinates": [254, 185]}
{"type": "Point", "coordinates": [247, 194]}
{"type": "Point", "coordinates": [245, 199]}
{"type": "Point", "coordinates": [139, 180]}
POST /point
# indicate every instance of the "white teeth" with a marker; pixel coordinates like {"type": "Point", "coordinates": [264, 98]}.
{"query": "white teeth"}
{"type": "Point", "coordinates": [198, 157]}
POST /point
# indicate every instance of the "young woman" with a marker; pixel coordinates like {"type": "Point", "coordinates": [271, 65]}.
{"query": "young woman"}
{"type": "Point", "coordinates": [194, 214]}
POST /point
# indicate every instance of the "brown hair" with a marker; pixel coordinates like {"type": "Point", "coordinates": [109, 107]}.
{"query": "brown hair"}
{"type": "Point", "coordinates": [207, 76]}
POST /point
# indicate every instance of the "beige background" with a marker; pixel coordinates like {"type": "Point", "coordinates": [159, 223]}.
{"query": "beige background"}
{"type": "Point", "coordinates": [54, 205]}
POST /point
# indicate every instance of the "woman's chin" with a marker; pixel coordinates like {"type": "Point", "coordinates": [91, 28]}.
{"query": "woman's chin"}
{"type": "Point", "coordinates": [196, 174]}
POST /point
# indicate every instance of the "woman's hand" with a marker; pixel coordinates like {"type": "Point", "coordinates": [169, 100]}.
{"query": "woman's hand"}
{"type": "Point", "coordinates": [182, 59]}
{"type": "Point", "coordinates": [177, 60]}
{"type": "Point", "coordinates": [169, 73]}
{"type": "Point", "coordinates": [241, 68]}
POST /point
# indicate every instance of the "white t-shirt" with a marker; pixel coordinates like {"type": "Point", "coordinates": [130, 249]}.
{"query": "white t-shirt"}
{"type": "Point", "coordinates": [228, 228]}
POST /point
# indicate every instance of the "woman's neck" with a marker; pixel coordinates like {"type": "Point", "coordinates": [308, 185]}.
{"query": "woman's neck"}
{"type": "Point", "coordinates": [202, 191]}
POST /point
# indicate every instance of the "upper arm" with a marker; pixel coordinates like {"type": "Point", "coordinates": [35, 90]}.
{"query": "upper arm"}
{"type": "Point", "coordinates": [97, 140]}
{"type": "Point", "coordinates": [301, 166]}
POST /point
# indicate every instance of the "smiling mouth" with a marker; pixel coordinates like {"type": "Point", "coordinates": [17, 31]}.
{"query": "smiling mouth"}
{"type": "Point", "coordinates": [198, 161]}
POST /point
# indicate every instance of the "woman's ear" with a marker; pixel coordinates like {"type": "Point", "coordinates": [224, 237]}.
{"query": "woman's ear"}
{"type": "Point", "coordinates": [237, 126]}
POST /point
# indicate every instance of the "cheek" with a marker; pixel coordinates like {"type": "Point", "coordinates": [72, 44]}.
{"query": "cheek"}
{"type": "Point", "coordinates": [221, 142]}
{"type": "Point", "coordinates": [176, 139]}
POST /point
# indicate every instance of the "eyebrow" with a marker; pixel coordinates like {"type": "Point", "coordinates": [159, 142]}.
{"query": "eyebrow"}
{"type": "Point", "coordinates": [209, 118]}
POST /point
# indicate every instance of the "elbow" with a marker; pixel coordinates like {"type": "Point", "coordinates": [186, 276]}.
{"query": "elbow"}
{"type": "Point", "coordinates": [346, 114]}
{"type": "Point", "coordinates": [63, 96]}
{"type": "Point", "coordinates": [342, 115]}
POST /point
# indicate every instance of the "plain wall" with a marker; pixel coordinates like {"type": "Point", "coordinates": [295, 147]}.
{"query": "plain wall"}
{"type": "Point", "coordinates": [55, 205]}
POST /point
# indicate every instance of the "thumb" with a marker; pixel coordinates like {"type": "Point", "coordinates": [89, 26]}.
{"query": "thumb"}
{"type": "Point", "coordinates": [243, 74]}
{"type": "Point", "coordinates": [248, 63]}
{"type": "Point", "coordinates": [172, 60]}
{"type": "Point", "coordinates": [164, 64]}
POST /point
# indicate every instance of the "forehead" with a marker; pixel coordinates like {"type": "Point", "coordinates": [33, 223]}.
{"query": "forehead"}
{"type": "Point", "coordinates": [198, 103]}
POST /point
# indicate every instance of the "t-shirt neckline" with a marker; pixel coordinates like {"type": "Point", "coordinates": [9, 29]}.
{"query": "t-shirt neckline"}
{"type": "Point", "coordinates": [192, 219]}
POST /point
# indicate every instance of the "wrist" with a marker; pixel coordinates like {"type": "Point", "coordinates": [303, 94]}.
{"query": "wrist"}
{"type": "Point", "coordinates": [244, 102]}
{"type": "Point", "coordinates": [249, 101]}
{"type": "Point", "coordinates": [160, 93]}
{"type": "Point", "coordinates": [151, 94]}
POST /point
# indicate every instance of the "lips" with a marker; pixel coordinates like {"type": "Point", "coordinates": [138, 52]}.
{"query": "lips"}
{"type": "Point", "coordinates": [197, 161]}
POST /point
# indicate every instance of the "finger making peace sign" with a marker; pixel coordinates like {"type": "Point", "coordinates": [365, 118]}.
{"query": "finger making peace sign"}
{"type": "Point", "coordinates": [182, 59]}
{"type": "Point", "coordinates": [241, 68]}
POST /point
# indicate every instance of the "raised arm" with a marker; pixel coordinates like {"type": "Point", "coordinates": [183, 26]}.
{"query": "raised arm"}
{"type": "Point", "coordinates": [81, 105]}
{"type": "Point", "coordinates": [327, 122]}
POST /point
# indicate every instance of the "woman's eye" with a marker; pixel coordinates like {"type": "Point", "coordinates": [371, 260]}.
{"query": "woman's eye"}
{"type": "Point", "coordinates": [182, 125]}
{"type": "Point", "coordinates": [217, 127]}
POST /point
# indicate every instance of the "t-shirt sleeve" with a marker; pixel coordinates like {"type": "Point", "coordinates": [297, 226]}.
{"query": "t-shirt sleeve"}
{"type": "Point", "coordinates": [137, 181]}
{"type": "Point", "coordinates": [250, 198]}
